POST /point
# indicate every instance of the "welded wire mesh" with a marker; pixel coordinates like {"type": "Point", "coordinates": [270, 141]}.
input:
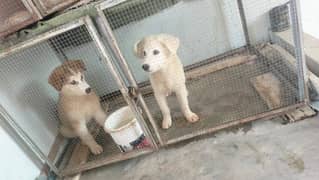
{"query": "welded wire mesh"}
{"type": "Point", "coordinates": [221, 60]}
{"type": "Point", "coordinates": [35, 79]}
{"type": "Point", "coordinates": [216, 36]}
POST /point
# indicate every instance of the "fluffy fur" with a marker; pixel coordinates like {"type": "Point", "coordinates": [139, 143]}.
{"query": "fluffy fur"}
{"type": "Point", "coordinates": [159, 57]}
{"type": "Point", "coordinates": [77, 103]}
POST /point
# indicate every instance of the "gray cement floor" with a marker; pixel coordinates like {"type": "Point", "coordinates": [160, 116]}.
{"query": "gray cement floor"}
{"type": "Point", "coordinates": [266, 151]}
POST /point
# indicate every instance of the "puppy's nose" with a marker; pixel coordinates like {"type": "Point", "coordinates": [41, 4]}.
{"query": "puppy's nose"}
{"type": "Point", "coordinates": [88, 90]}
{"type": "Point", "coordinates": [146, 67]}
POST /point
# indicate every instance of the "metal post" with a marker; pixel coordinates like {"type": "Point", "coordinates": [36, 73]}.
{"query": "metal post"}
{"type": "Point", "coordinates": [299, 50]}
{"type": "Point", "coordinates": [243, 21]}
{"type": "Point", "coordinates": [114, 45]}
{"type": "Point", "coordinates": [95, 37]}
{"type": "Point", "coordinates": [27, 140]}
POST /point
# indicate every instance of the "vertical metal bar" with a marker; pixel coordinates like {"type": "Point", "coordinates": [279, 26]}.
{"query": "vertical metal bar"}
{"type": "Point", "coordinates": [95, 37]}
{"type": "Point", "coordinates": [32, 8]}
{"type": "Point", "coordinates": [299, 50]}
{"type": "Point", "coordinates": [114, 45]}
{"type": "Point", "coordinates": [27, 140]}
{"type": "Point", "coordinates": [243, 22]}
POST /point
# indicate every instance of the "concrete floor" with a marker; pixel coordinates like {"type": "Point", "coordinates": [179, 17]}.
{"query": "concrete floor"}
{"type": "Point", "coordinates": [267, 150]}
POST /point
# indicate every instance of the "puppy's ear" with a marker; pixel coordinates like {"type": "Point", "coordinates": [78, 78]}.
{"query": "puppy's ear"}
{"type": "Point", "coordinates": [171, 42]}
{"type": "Point", "coordinates": [138, 49]}
{"type": "Point", "coordinates": [56, 79]}
{"type": "Point", "coordinates": [75, 65]}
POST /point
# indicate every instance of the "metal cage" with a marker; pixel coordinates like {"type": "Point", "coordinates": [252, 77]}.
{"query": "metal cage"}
{"type": "Point", "coordinates": [31, 109]}
{"type": "Point", "coordinates": [227, 61]}
{"type": "Point", "coordinates": [222, 79]}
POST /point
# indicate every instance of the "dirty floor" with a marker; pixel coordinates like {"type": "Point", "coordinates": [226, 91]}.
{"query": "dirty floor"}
{"type": "Point", "coordinates": [267, 150]}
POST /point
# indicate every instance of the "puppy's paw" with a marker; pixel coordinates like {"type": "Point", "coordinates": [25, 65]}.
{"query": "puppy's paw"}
{"type": "Point", "coordinates": [96, 149]}
{"type": "Point", "coordinates": [166, 123]}
{"type": "Point", "coordinates": [192, 117]}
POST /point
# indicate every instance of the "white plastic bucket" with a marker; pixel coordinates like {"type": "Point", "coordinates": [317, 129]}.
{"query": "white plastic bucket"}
{"type": "Point", "coordinates": [125, 130]}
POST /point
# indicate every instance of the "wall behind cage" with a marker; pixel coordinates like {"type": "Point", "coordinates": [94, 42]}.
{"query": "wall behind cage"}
{"type": "Point", "coordinates": [13, 158]}
{"type": "Point", "coordinates": [205, 28]}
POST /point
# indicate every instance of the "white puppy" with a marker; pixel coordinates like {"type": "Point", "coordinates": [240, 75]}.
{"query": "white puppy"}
{"type": "Point", "coordinates": [159, 55]}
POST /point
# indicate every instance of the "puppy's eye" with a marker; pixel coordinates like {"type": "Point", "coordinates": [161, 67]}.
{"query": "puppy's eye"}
{"type": "Point", "coordinates": [144, 53]}
{"type": "Point", "coordinates": [73, 82]}
{"type": "Point", "coordinates": [156, 52]}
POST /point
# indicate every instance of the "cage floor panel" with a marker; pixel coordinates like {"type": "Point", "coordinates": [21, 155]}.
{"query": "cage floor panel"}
{"type": "Point", "coordinates": [221, 97]}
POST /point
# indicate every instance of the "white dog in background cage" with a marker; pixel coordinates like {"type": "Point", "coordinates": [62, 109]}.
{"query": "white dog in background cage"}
{"type": "Point", "coordinates": [78, 104]}
{"type": "Point", "coordinates": [160, 59]}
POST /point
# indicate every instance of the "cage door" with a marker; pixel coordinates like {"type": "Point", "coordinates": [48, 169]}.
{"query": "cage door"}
{"type": "Point", "coordinates": [139, 100]}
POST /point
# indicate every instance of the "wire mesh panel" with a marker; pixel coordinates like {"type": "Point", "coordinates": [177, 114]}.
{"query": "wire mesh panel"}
{"type": "Point", "coordinates": [233, 74]}
{"type": "Point", "coordinates": [58, 82]}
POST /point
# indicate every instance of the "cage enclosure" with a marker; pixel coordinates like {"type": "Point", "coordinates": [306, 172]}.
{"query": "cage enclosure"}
{"type": "Point", "coordinates": [234, 75]}
{"type": "Point", "coordinates": [29, 103]}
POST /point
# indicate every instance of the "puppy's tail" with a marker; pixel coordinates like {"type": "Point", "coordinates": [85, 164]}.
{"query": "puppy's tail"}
{"type": "Point", "coordinates": [67, 132]}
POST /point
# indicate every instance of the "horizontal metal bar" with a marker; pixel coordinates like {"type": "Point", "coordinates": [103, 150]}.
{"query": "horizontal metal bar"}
{"type": "Point", "coordinates": [105, 161]}
{"type": "Point", "coordinates": [235, 123]}
{"type": "Point", "coordinates": [109, 3]}
{"type": "Point", "coordinates": [42, 37]}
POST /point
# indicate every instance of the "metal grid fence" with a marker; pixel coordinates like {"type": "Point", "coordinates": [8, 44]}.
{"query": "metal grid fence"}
{"type": "Point", "coordinates": [31, 103]}
{"type": "Point", "coordinates": [232, 73]}
{"type": "Point", "coordinates": [222, 96]}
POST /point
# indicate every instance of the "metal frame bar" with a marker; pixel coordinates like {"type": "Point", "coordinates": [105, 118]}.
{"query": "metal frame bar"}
{"type": "Point", "coordinates": [32, 7]}
{"type": "Point", "coordinates": [43, 37]}
{"type": "Point", "coordinates": [243, 21]}
{"type": "Point", "coordinates": [104, 161]}
{"type": "Point", "coordinates": [299, 50]}
{"type": "Point", "coordinates": [111, 40]}
{"type": "Point", "coordinates": [108, 4]}
{"type": "Point", "coordinates": [28, 141]}
{"type": "Point", "coordinates": [95, 37]}
{"type": "Point", "coordinates": [270, 114]}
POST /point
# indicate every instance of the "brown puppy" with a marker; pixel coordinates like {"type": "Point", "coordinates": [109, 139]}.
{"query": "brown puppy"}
{"type": "Point", "coordinates": [77, 103]}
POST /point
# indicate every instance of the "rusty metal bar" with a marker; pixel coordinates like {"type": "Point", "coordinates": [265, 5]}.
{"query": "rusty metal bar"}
{"type": "Point", "coordinates": [43, 37]}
